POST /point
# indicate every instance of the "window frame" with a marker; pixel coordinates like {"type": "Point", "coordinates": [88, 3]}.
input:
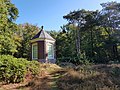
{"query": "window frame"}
{"type": "Point", "coordinates": [52, 46]}
{"type": "Point", "coordinates": [35, 44]}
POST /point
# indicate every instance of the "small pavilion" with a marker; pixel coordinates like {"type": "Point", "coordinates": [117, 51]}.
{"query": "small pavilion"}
{"type": "Point", "coordinates": [43, 47]}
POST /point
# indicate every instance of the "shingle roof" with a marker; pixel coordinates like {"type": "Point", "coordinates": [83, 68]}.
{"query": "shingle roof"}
{"type": "Point", "coordinates": [43, 35]}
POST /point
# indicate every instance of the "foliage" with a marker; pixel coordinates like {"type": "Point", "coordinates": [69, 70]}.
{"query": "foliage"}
{"type": "Point", "coordinates": [90, 35]}
{"type": "Point", "coordinates": [13, 70]}
{"type": "Point", "coordinates": [25, 32]}
{"type": "Point", "coordinates": [34, 67]}
{"type": "Point", "coordinates": [8, 39]}
{"type": "Point", "coordinates": [14, 39]}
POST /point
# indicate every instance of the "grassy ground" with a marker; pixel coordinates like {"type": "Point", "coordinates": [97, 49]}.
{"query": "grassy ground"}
{"type": "Point", "coordinates": [53, 77]}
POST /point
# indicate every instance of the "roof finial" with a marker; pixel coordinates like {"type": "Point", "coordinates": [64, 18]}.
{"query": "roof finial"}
{"type": "Point", "coordinates": [42, 27]}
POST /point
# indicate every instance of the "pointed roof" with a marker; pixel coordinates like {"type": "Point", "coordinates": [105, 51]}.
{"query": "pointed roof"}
{"type": "Point", "coordinates": [43, 35]}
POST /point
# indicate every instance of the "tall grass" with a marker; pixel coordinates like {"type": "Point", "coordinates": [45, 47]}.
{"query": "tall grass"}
{"type": "Point", "coordinates": [104, 77]}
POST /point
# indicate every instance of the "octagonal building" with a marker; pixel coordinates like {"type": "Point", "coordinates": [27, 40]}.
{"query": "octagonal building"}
{"type": "Point", "coordinates": [43, 47]}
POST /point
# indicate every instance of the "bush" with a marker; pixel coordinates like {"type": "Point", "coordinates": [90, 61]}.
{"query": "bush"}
{"type": "Point", "coordinates": [13, 70]}
{"type": "Point", "coordinates": [33, 66]}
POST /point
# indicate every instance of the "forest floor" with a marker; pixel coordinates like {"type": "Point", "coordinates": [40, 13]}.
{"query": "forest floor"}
{"type": "Point", "coordinates": [85, 77]}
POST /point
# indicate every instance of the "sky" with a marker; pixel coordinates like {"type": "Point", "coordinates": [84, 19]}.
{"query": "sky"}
{"type": "Point", "coordinates": [49, 13]}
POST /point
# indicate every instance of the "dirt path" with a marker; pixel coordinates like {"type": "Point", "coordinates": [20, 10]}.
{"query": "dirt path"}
{"type": "Point", "coordinates": [46, 82]}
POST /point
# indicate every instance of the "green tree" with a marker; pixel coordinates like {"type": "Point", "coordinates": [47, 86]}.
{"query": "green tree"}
{"type": "Point", "coordinates": [25, 32]}
{"type": "Point", "coordinates": [110, 20]}
{"type": "Point", "coordinates": [8, 14]}
{"type": "Point", "coordinates": [97, 32]}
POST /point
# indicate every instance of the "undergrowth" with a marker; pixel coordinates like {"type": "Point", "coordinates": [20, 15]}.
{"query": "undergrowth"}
{"type": "Point", "coordinates": [13, 70]}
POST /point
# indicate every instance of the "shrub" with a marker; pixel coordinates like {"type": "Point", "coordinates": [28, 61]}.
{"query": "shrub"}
{"type": "Point", "coordinates": [33, 66]}
{"type": "Point", "coordinates": [13, 70]}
